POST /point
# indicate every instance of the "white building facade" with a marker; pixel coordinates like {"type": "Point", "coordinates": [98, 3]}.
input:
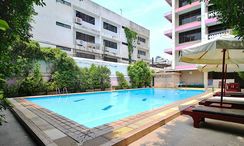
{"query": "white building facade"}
{"type": "Point", "coordinates": [85, 29]}
{"type": "Point", "coordinates": [191, 23]}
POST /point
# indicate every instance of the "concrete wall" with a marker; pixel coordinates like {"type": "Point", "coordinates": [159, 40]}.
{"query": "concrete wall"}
{"type": "Point", "coordinates": [192, 77]}
{"type": "Point", "coordinates": [167, 80]}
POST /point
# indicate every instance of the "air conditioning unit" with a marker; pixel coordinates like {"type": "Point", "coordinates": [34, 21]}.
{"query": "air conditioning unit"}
{"type": "Point", "coordinates": [138, 56]}
{"type": "Point", "coordinates": [81, 43]}
{"type": "Point", "coordinates": [78, 20]}
{"type": "Point", "coordinates": [198, 18]}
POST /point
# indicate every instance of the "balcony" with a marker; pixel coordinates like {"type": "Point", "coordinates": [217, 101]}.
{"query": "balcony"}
{"type": "Point", "coordinates": [188, 26]}
{"type": "Point", "coordinates": [180, 47]}
{"type": "Point", "coordinates": [143, 57]}
{"type": "Point", "coordinates": [80, 24]}
{"type": "Point", "coordinates": [168, 33]}
{"type": "Point", "coordinates": [88, 47]}
{"type": "Point", "coordinates": [168, 16]}
{"type": "Point", "coordinates": [169, 2]}
{"type": "Point", "coordinates": [110, 51]}
{"type": "Point", "coordinates": [211, 19]}
{"type": "Point", "coordinates": [188, 8]}
{"type": "Point", "coordinates": [218, 34]}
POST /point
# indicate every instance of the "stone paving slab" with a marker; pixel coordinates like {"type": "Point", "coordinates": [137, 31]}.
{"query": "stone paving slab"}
{"type": "Point", "coordinates": [55, 129]}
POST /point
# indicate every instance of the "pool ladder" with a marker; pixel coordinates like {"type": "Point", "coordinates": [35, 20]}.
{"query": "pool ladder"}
{"type": "Point", "coordinates": [65, 91]}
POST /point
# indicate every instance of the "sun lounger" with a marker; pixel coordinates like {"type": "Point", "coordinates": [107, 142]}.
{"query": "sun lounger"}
{"type": "Point", "coordinates": [231, 94]}
{"type": "Point", "coordinates": [199, 113]}
{"type": "Point", "coordinates": [236, 103]}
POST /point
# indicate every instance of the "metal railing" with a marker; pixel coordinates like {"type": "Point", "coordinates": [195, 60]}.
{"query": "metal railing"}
{"type": "Point", "coordinates": [219, 33]}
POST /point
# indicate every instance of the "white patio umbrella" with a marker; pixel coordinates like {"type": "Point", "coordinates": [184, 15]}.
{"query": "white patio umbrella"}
{"type": "Point", "coordinates": [218, 67]}
{"type": "Point", "coordinates": [222, 50]}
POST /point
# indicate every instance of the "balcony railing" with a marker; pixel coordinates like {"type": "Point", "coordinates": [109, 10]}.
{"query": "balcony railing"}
{"type": "Point", "coordinates": [110, 51]}
{"type": "Point", "coordinates": [218, 34]}
{"type": "Point", "coordinates": [87, 46]}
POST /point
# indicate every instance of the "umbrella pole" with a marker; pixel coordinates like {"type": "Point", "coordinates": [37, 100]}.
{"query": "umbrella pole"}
{"type": "Point", "coordinates": [223, 75]}
{"type": "Point", "coordinates": [225, 79]}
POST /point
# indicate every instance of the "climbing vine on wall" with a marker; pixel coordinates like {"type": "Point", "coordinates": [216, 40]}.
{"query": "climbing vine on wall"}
{"type": "Point", "coordinates": [131, 37]}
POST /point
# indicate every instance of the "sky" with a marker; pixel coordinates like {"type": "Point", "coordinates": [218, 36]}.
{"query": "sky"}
{"type": "Point", "coordinates": [149, 14]}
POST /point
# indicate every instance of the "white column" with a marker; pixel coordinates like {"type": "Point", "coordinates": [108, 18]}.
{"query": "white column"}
{"type": "Point", "coordinates": [205, 80]}
{"type": "Point", "coordinates": [173, 34]}
{"type": "Point", "coordinates": [203, 25]}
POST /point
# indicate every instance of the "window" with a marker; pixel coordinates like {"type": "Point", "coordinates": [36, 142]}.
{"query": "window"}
{"type": "Point", "coordinates": [85, 17]}
{"type": "Point", "coordinates": [110, 44]}
{"type": "Point", "coordinates": [83, 55]}
{"type": "Point", "coordinates": [63, 25]}
{"type": "Point", "coordinates": [64, 2]}
{"type": "Point", "coordinates": [85, 37]}
{"type": "Point", "coordinates": [216, 28]}
{"type": "Point", "coordinates": [140, 52]}
{"type": "Point", "coordinates": [64, 48]}
{"type": "Point", "coordinates": [110, 59]}
{"type": "Point", "coordinates": [109, 27]}
{"type": "Point", "coordinates": [141, 39]}
{"type": "Point", "coordinates": [189, 17]}
{"type": "Point", "coordinates": [185, 2]}
{"type": "Point", "coordinates": [189, 36]}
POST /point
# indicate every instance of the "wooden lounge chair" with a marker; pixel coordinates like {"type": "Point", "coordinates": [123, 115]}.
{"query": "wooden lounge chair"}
{"type": "Point", "coordinates": [200, 112]}
{"type": "Point", "coordinates": [231, 102]}
{"type": "Point", "coordinates": [230, 94]}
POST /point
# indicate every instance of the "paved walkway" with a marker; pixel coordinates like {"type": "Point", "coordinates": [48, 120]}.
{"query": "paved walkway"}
{"type": "Point", "coordinates": [180, 132]}
{"type": "Point", "coordinates": [12, 133]}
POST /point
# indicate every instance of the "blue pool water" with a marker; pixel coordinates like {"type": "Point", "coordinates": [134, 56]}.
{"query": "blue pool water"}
{"type": "Point", "coordinates": [95, 109]}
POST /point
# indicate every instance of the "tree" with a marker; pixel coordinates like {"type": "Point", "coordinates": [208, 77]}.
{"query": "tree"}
{"type": "Point", "coordinates": [123, 83]}
{"type": "Point", "coordinates": [18, 15]}
{"type": "Point", "coordinates": [140, 74]}
{"type": "Point", "coordinates": [230, 13]}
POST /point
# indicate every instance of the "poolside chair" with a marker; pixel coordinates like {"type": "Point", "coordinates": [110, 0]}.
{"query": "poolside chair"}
{"type": "Point", "coordinates": [230, 94]}
{"type": "Point", "coordinates": [200, 112]}
{"type": "Point", "coordinates": [228, 102]}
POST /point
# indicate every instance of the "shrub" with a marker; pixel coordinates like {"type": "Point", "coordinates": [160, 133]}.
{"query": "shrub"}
{"type": "Point", "coordinates": [140, 74]}
{"type": "Point", "coordinates": [104, 78]}
{"type": "Point", "coordinates": [123, 84]}
{"type": "Point", "coordinates": [86, 80]}
{"type": "Point", "coordinates": [33, 83]}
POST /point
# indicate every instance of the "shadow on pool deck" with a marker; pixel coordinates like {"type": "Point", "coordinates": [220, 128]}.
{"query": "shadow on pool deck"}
{"type": "Point", "coordinates": [180, 132]}
{"type": "Point", "coordinates": [13, 134]}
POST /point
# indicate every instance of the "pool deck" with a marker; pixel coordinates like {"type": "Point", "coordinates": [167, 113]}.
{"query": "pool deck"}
{"type": "Point", "coordinates": [180, 132]}
{"type": "Point", "coordinates": [50, 128]}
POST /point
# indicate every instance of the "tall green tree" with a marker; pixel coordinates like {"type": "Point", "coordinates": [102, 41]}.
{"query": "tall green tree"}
{"type": "Point", "coordinates": [18, 14]}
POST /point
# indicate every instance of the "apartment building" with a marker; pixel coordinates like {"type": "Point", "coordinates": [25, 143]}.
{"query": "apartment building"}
{"type": "Point", "coordinates": [191, 24]}
{"type": "Point", "coordinates": [85, 29]}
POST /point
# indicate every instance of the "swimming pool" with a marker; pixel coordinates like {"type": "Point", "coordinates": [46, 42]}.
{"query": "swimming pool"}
{"type": "Point", "coordinates": [95, 109]}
